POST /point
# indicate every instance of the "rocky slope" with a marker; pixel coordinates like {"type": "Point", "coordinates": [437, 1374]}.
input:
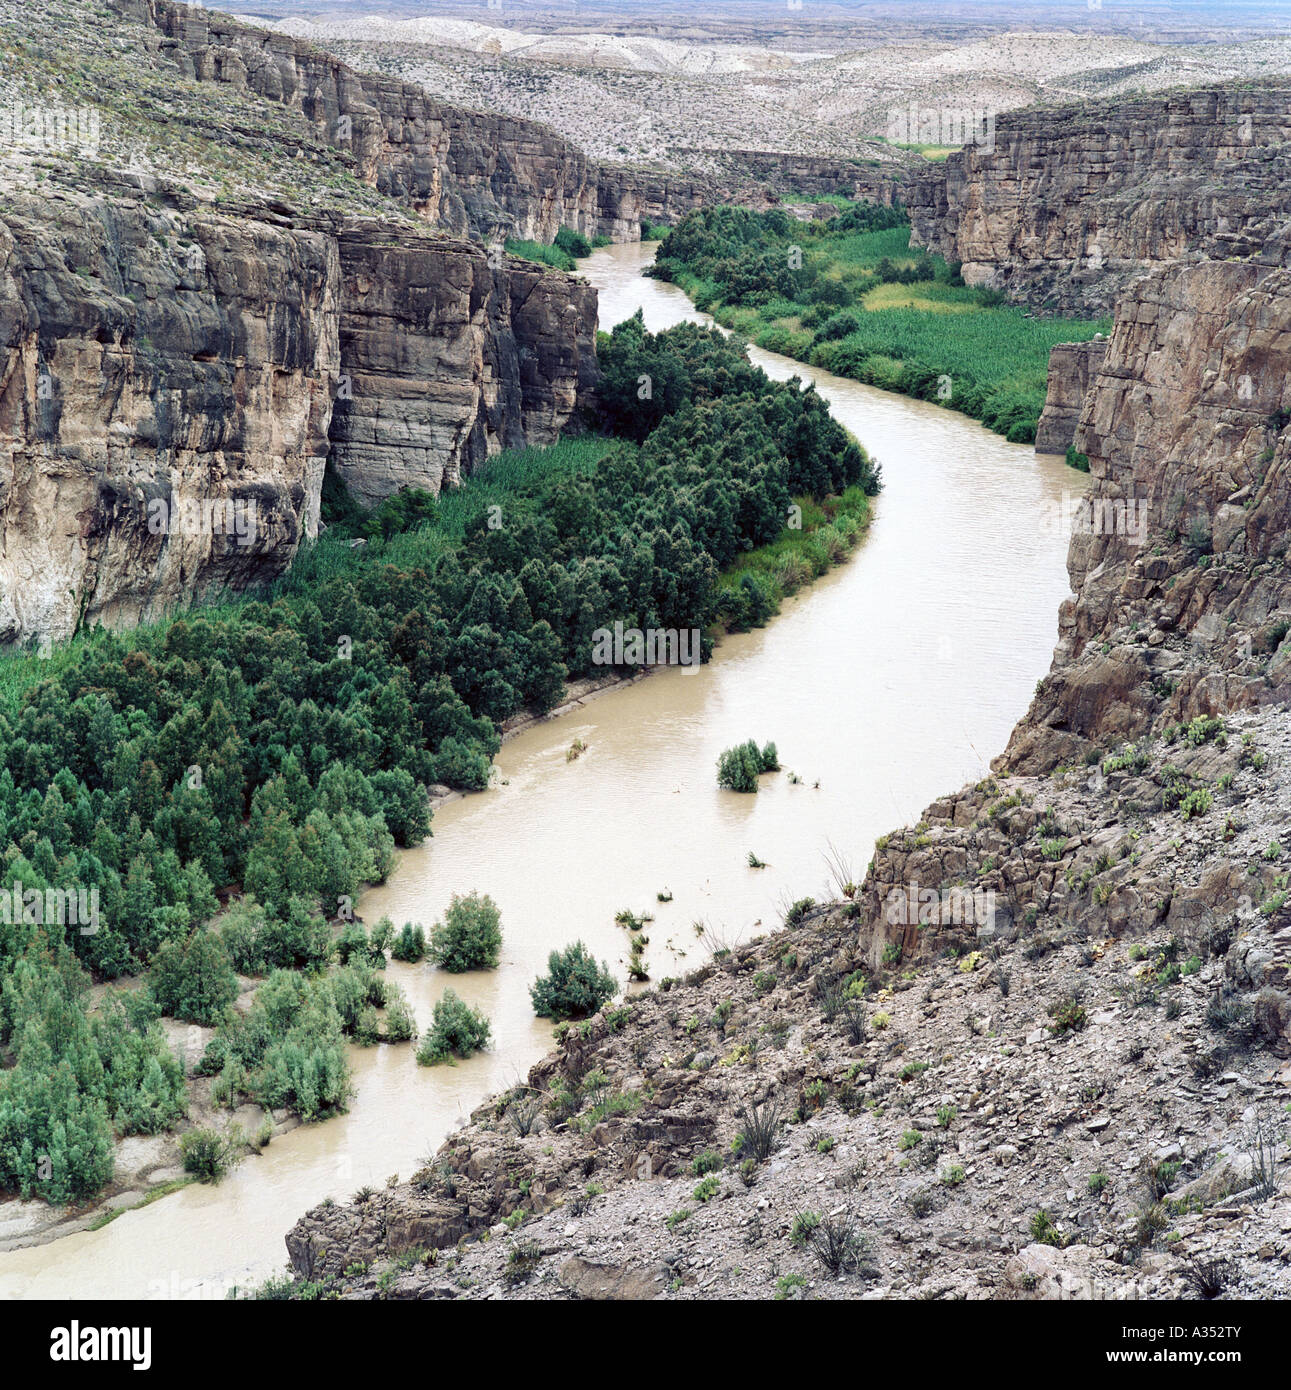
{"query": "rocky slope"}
{"type": "Point", "coordinates": [208, 301]}
{"type": "Point", "coordinates": [1067, 205]}
{"type": "Point", "coordinates": [466, 170]}
{"type": "Point", "coordinates": [1042, 1050]}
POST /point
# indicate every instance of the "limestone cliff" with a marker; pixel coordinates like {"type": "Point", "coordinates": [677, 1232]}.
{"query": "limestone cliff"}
{"type": "Point", "coordinates": [1071, 372]}
{"type": "Point", "coordinates": [150, 358]}
{"type": "Point", "coordinates": [161, 359]}
{"type": "Point", "coordinates": [184, 349]}
{"type": "Point", "coordinates": [446, 359]}
{"type": "Point", "coordinates": [1066, 204]}
{"type": "Point", "coordinates": [467, 171]}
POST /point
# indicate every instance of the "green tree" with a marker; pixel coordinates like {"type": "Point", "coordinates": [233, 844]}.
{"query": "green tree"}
{"type": "Point", "coordinates": [574, 985]}
{"type": "Point", "coordinates": [469, 937]}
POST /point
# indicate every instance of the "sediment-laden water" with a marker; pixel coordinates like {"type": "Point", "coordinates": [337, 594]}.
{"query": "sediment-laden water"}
{"type": "Point", "coordinates": [892, 680]}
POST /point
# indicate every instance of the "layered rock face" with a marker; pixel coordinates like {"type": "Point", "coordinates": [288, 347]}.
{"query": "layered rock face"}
{"type": "Point", "coordinates": [1069, 203]}
{"type": "Point", "coordinates": [155, 364]}
{"type": "Point", "coordinates": [448, 359]}
{"type": "Point", "coordinates": [1071, 371]}
{"type": "Point", "coordinates": [1179, 567]}
{"type": "Point", "coordinates": [475, 171]}
{"type": "Point", "coordinates": [739, 171]}
{"type": "Point", "coordinates": [172, 355]}
{"type": "Point", "coordinates": [170, 376]}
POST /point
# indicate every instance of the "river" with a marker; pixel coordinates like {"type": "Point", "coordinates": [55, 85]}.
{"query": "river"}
{"type": "Point", "coordinates": [889, 682]}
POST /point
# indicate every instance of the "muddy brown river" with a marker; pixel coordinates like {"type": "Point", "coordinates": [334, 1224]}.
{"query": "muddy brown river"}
{"type": "Point", "coordinates": [889, 682]}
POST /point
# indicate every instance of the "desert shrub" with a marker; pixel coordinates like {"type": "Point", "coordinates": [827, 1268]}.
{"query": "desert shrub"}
{"type": "Point", "coordinates": [574, 985]}
{"type": "Point", "coordinates": [208, 1154]}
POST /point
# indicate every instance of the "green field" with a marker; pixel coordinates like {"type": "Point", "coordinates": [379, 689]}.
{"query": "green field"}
{"type": "Point", "coordinates": [850, 295]}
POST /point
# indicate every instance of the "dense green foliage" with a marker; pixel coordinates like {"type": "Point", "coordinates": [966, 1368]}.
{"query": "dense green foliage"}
{"type": "Point", "coordinates": [469, 937]}
{"type": "Point", "coordinates": [739, 768]}
{"type": "Point", "coordinates": [457, 1030]}
{"type": "Point", "coordinates": [574, 985]}
{"type": "Point", "coordinates": [194, 979]}
{"type": "Point", "coordinates": [288, 1050]}
{"type": "Point", "coordinates": [76, 1080]}
{"type": "Point", "coordinates": [850, 295]}
{"type": "Point", "coordinates": [410, 944]}
{"type": "Point", "coordinates": [269, 753]}
{"type": "Point", "coordinates": [568, 248]}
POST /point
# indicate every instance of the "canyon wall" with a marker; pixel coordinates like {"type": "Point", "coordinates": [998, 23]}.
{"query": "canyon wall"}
{"type": "Point", "coordinates": [466, 171]}
{"type": "Point", "coordinates": [446, 360]}
{"type": "Point", "coordinates": [1071, 202]}
{"type": "Point", "coordinates": [1071, 372]}
{"type": "Point", "coordinates": [175, 380]}
{"type": "Point", "coordinates": [180, 366]}
{"type": "Point", "coordinates": [138, 382]}
{"type": "Point", "coordinates": [1181, 611]}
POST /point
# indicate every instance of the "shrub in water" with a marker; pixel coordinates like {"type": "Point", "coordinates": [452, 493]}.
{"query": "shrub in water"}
{"type": "Point", "coordinates": [574, 985]}
{"type": "Point", "coordinates": [410, 944]}
{"type": "Point", "coordinates": [457, 1031]}
{"type": "Point", "coordinates": [738, 768]}
{"type": "Point", "coordinates": [469, 937]}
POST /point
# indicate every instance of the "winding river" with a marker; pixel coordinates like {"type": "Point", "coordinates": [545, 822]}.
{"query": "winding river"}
{"type": "Point", "coordinates": [889, 682]}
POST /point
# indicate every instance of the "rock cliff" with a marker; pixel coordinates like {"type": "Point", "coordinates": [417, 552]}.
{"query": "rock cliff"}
{"type": "Point", "coordinates": [291, 283]}
{"type": "Point", "coordinates": [1071, 371]}
{"type": "Point", "coordinates": [445, 360]}
{"type": "Point", "coordinates": [467, 171]}
{"type": "Point", "coordinates": [153, 363]}
{"type": "Point", "coordinates": [1066, 204]}
{"type": "Point", "coordinates": [174, 383]}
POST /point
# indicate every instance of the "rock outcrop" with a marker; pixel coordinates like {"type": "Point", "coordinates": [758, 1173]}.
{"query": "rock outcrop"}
{"type": "Point", "coordinates": [447, 359]}
{"type": "Point", "coordinates": [1179, 563]}
{"type": "Point", "coordinates": [164, 406]}
{"type": "Point", "coordinates": [185, 350]}
{"type": "Point", "coordinates": [1071, 371]}
{"type": "Point", "coordinates": [1067, 204]}
{"type": "Point", "coordinates": [175, 379]}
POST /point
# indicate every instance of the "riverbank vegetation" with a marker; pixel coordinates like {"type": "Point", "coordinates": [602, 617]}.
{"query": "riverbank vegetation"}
{"type": "Point", "coordinates": [221, 785]}
{"type": "Point", "coordinates": [568, 248]}
{"type": "Point", "coordinates": [850, 295]}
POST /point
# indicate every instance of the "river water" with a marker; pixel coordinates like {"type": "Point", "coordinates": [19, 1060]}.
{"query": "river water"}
{"type": "Point", "coordinates": [889, 682]}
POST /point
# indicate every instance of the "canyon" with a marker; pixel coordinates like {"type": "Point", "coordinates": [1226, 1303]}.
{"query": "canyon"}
{"type": "Point", "coordinates": [998, 1112]}
{"type": "Point", "coordinates": [1101, 988]}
